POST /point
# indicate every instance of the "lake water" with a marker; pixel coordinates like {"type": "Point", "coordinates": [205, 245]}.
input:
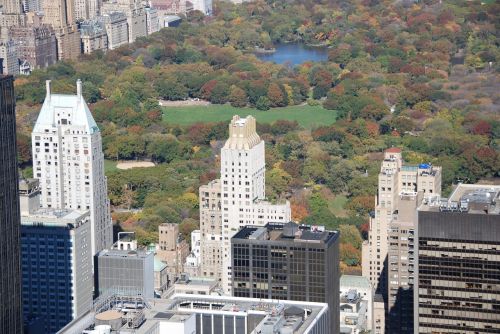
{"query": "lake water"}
{"type": "Point", "coordinates": [295, 54]}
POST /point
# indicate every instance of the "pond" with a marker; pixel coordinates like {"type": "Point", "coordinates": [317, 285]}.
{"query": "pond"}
{"type": "Point", "coordinates": [295, 54]}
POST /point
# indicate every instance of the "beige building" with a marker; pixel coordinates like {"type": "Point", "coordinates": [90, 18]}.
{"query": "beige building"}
{"type": "Point", "coordinates": [116, 27]}
{"type": "Point", "coordinates": [60, 14]}
{"type": "Point", "coordinates": [195, 286]}
{"type": "Point", "coordinates": [87, 9]}
{"type": "Point", "coordinates": [173, 249]}
{"type": "Point", "coordinates": [93, 35]}
{"type": "Point", "coordinates": [388, 256]}
{"type": "Point", "coordinates": [211, 229]}
{"type": "Point", "coordinates": [135, 13]}
{"type": "Point", "coordinates": [161, 275]}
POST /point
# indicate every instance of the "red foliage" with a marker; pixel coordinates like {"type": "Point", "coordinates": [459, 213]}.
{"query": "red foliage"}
{"type": "Point", "coordinates": [206, 89]}
{"type": "Point", "coordinates": [136, 129]}
{"type": "Point", "coordinates": [482, 128]}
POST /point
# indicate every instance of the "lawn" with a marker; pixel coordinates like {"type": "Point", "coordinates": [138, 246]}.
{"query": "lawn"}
{"type": "Point", "coordinates": [109, 166]}
{"type": "Point", "coordinates": [307, 116]}
{"type": "Point", "coordinates": [337, 205]}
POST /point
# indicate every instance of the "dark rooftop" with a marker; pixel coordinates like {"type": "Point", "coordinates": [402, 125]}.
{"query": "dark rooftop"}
{"type": "Point", "coordinates": [290, 232]}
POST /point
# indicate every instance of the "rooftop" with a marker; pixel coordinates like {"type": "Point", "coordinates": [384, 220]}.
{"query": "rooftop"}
{"type": "Point", "coordinates": [354, 282]}
{"type": "Point", "coordinates": [466, 198]}
{"type": "Point", "coordinates": [393, 150]}
{"type": "Point", "coordinates": [119, 253]}
{"type": "Point", "coordinates": [289, 232]}
{"type": "Point", "coordinates": [54, 217]}
{"type": "Point", "coordinates": [80, 114]}
{"type": "Point", "coordinates": [142, 316]}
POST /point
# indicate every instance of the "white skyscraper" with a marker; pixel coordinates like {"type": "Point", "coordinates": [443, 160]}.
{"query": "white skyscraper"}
{"type": "Point", "coordinates": [68, 161]}
{"type": "Point", "coordinates": [242, 198]}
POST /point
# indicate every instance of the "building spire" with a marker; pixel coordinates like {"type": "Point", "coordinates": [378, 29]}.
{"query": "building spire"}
{"type": "Point", "coordinates": [79, 88]}
{"type": "Point", "coordinates": [47, 89]}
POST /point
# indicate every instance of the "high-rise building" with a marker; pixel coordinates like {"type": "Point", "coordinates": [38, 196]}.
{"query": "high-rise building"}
{"type": "Point", "coordinates": [457, 286]}
{"type": "Point", "coordinates": [152, 20]}
{"type": "Point", "coordinates": [236, 200]}
{"type": "Point", "coordinates": [288, 262]}
{"type": "Point", "coordinates": [10, 267]}
{"type": "Point", "coordinates": [68, 161]}
{"type": "Point", "coordinates": [116, 29]}
{"type": "Point", "coordinates": [56, 265]}
{"type": "Point", "coordinates": [135, 12]}
{"type": "Point", "coordinates": [37, 44]}
{"type": "Point", "coordinates": [388, 256]}
{"type": "Point", "coordinates": [9, 57]}
{"type": "Point", "coordinates": [60, 14]}
{"type": "Point", "coordinates": [87, 9]}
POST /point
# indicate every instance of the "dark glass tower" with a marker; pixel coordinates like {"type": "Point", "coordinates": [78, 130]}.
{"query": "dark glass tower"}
{"type": "Point", "coordinates": [10, 273]}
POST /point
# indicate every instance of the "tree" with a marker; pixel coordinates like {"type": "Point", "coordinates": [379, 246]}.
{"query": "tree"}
{"type": "Point", "coordinates": [276, 95]}
{"type": "Point", "coordinates": [238, 97]}
{"type": "Point", "coordinates": [170, 89]}
{"type": "Point", "coordinates": [263, 103]}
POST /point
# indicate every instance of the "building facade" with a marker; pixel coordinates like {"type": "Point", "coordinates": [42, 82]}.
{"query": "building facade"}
{"type": "Point", "coordinates": [9, 57]}
{"type": "Point", "coordinates": [37, 44]}
{"type": "Point", "coordinates": [56, 266]}
{"type": "Point", "coordinates": [10, 254]}
{"type": "Point", "coordinates": [116, 27]}
{"type": "Point", "coordinates": [288, 262]}
{"type": "Point", "coordinates": [124, 272]}
{"type": "Point", "coordinates": [236, 200]}
{"type": "Point", "coordinates": [69, 162]}
{"type": "Point", "coordinates": [458, 276]}
{"type": "Point", "coordinates": [389, 254]}
{"type": "Point", "coordinates": [173, 248]}
{"type": "Point", "coordinates": [93, 35]}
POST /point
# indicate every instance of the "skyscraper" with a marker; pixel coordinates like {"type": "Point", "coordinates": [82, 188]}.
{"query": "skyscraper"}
{"type": "Point", "coordinates": [389, 254]}
{"type": "Point", "coordinates": [10, 270]}
{"type": "Point", "coordinates": [56, 262]}
{"type": "Point", "coordinates": [457, 286]}
{"type": "Point", "coordinates": [288, 262]}
{"type": "Point", "coordinates": [236, 200]}
{"type": "Point", "coordinates": [68, 161]}
{"type": "Point", "coordinates": [61, 15]}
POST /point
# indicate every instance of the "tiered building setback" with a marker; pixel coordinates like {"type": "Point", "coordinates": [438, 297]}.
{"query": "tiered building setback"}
{"type": "Point", "coordinates": [389, 254]}
{"type": "Point", "coordinates": [69, 162]}
{"type": "Point", "coordinates": [236, 200]}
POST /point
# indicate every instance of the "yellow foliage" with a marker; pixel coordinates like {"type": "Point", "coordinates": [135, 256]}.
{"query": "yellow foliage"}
{"type": "Point", "coordinates": [196, 149]}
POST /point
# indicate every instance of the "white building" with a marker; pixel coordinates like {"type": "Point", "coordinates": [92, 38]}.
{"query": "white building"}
{"type": "Point", "coordinates": [9, 58]}
{"type": "Point", "coordinates": [193, 260]}
{"type": "Point", "coordinates": [152, 20]}
{"type": "Point", "coordinates": [68, 161]}
{"type": "Point", "coordinates": [356, 304]}
{"type": "Point", "coordinates": [204, 6]}
{"type": "Point", "coordinates": [242, 194]}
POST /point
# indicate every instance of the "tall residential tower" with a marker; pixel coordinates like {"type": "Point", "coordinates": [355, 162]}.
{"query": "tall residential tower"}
{"type": "Point", "coordinates": [389, 254]}
{"type": "Point", "coordinates": [236, 200]}
{"type": "Point", "coordinates": [68, 161]}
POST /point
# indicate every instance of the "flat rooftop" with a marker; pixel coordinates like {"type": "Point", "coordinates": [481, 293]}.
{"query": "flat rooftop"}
{"type": "Point", "coordinates": [180, 307]}
{"type": "Point", "coordinates": [54, 217]}
{"type": "Point", "coordinates": [289, 232]}
{"type": "Point", "coordinates": [467, 198]}
{"type": "Point", "coordinates": [121, 253]}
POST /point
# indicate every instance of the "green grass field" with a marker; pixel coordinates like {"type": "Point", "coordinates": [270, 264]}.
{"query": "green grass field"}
{"type": "Point", "coordinates": [337, 205]}
{"type": "Point", "coordinates": [307, 116]}
{"type": "Point", "coordinates": [109, 166]}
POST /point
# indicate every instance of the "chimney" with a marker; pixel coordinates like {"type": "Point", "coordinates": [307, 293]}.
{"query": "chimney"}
{"type": "Point", "coordinates": [79, 88]}
{"type": "Point", "coordinates": [47, 88]}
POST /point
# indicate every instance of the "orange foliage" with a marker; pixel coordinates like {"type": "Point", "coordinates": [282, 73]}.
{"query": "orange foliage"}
{"type": "Point", "coordinates": [299, 211]}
